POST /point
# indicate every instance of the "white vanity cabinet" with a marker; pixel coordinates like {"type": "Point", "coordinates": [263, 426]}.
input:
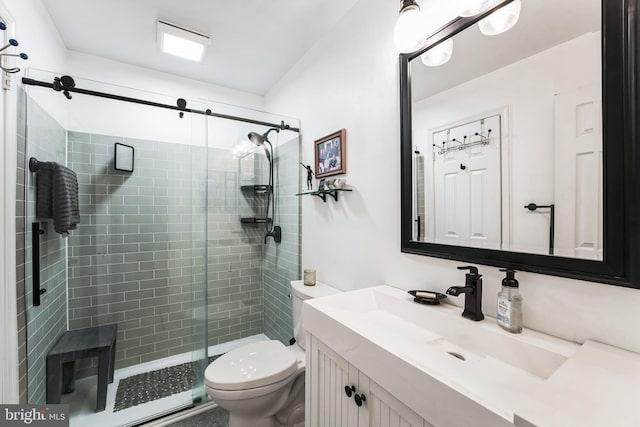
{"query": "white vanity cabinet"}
{"type": "Point", "coordinates": [327, 403]}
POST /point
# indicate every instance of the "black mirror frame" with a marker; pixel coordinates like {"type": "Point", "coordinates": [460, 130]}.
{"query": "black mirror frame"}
{"type": "Point", "coordinates": [621, 169]}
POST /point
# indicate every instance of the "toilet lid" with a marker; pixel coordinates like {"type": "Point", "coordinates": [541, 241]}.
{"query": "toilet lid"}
{"type": "Point", "coordinates": [250, 366]}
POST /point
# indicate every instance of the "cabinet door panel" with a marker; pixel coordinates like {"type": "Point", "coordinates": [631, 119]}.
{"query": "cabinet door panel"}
{"type": "Point", "coordinates": [384, 410]}
{"type": "Point", "coordinates": [329, 405]}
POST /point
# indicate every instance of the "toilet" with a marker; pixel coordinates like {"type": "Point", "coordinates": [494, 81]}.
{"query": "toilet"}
{"type": "Point", "coordinates": [262, 384]}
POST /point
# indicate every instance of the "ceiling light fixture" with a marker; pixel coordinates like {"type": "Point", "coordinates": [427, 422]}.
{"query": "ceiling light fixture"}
{"type": "Point", "coordinates": [408, 33]}
{"type": "Point", "coordinates": [501, 20]}
{"type": "Point", "coordinates": [438, 55]}
{"type": "Point", "coordinates": [468, 8]}
{"type": "Point", "coordinates": [182, 42]}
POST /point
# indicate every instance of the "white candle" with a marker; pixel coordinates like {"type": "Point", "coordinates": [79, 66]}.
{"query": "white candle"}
{"type": "Point", "coordinates": [309, 277]}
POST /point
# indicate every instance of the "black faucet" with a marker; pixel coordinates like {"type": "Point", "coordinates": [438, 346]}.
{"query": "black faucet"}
{"type": "Point", "coordinates": [472, 291]}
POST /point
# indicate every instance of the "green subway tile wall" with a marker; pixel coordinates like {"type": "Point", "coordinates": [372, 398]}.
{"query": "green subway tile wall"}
{"type": "Point", "coordinates": [132, 260]}
{"type": "Point", "coordinates": [45, 140]}
{"type": "Point", "coordinates": [20, 246]}
{"type": "Point", "coordinates": [281, 261]}
{"type": "Point", "coordinates": [235, 293]}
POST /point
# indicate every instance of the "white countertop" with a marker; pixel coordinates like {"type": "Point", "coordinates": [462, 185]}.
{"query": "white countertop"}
{"type": "Point", "coordinates": [598, 386]}
{"type": "Point", "coordinates": [546, 381]}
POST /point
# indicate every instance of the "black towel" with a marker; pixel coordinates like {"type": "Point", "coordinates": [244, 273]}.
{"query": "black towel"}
{"type": "Point", "coordinates": [57, 196]}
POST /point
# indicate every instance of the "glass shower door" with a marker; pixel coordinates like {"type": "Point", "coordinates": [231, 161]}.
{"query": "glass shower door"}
{"type": "Point", "coordinates": [45, 251]}
{"type": "Point", "coordinates": [135, 263]}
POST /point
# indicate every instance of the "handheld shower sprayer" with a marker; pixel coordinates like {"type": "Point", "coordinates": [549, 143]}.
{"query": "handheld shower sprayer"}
{"type": "Point", "coordinates": [263, 140]}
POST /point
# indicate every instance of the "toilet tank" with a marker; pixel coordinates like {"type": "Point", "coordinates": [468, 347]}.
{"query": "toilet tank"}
{"type": "Point", "coordinates": [299, 293]}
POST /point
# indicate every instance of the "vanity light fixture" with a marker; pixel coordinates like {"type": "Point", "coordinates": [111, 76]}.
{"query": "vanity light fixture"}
{"type": "Point", "coordinates": [182, 42]}
{"type": "Point", "coordinates": [409, 30]}
{"type": "Point", "coordinates": [501, 20]}
{"type": "Point", "coordinates": [468, 8]}
{"type": "Point", "coordinates": [438, 55]}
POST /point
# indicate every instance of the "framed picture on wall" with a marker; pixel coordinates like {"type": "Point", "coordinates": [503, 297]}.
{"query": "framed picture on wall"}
{"type": "Point", "coordinates": [331, 154]}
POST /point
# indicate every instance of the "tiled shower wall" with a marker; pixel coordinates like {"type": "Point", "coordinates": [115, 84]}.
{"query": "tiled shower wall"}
{"type": "Point", "coordinates": [130, 261]}
{"type": "Point", "coordinates": [281, 263]}
{"type": "Point", "coordinates": [133, 258]}
{"type": "Point", "coordinates": [20, 246]}
{"type": "Point", "coordinates": [45, 140]}
{"type": "Point", "coordinates": [235, 249]}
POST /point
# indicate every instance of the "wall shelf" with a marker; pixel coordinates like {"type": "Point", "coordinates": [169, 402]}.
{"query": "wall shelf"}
{"type": "Point", "coordinates": [324, 193]}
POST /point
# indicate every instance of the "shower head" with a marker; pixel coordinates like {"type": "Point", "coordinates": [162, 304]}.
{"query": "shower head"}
{"type": "Point", "coordinates": [260, 140]}
{"type": "Point", "coordinates": [256, 138]}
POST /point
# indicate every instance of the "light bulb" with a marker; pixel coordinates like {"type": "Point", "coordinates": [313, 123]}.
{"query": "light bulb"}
{"type": "Point", "coordinates": [409, 31]}
{"type": "Point", "coordinates": [472, 7]}
{"type": "Point", "coordinates": [438, 55]}
{"type": "Point", "coordinates": [501, 20]}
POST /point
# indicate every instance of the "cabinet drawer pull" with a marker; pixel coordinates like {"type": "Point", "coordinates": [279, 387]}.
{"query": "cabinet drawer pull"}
{"type": "Point", "coordinates": [360, 399]}
{"type": "Point", "coordinates": [349, 390]}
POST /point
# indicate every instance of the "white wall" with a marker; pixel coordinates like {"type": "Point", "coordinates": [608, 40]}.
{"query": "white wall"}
{"type": "Point", "coordinates": [40, 40]}
{"type": "Point", "coordinates": [558, 70]}
{"type": "Point", "coordinates": [37, 35]}
{"type": "Point", "coordinates": [137, 121]}
{"type": "Point", "coordinates": [350, 79]}
{"type": "Point", "coordinates": [131, 76]}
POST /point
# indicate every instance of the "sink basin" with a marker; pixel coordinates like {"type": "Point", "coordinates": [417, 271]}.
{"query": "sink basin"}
{"type": "Point", "coordinates": [537, 361]}
{"type": "Point", "coordinates": [480, 361]}
{"type": "Point", "coordinates": [383, 311]}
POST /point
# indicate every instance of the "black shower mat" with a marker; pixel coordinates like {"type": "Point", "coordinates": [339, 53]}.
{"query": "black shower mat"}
{"type": "Point", "coordinates": [153, 385]}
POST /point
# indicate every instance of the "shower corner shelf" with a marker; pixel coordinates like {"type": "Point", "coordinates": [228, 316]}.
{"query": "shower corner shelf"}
{"type": "Point", "coordinates": [255, 188]}
{"type": "Point", "coordinates": [324, 193]}
{"type": "Point", "coordinates": [253, 220]}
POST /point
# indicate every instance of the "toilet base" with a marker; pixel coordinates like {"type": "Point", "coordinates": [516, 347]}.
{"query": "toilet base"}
{"type": "Point", "coordinates": [237, 421]}
{"type": "Point", "coordinates": [295, 419]}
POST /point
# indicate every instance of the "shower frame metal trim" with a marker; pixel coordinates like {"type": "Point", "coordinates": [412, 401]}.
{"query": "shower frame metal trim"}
{"type": "Point", "coordinates": [182, 109]}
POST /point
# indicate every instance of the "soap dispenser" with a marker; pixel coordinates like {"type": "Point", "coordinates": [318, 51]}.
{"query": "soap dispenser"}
{"type": "Point", "coordinates": [510, 304]}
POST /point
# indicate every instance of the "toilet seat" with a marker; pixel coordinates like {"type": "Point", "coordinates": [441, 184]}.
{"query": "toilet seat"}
{"type": "Point", "coordinates": [252, 366]}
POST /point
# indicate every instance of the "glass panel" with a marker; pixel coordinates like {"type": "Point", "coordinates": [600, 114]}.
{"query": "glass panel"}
{"type": "Point", "coordinates": [198, 249]}
{"type": "Point", "coordinates": [43, 126]}
{"type": "Point", "coordinates": [136, 260]}
{"type": "Point", "coordinates": [249, 274]}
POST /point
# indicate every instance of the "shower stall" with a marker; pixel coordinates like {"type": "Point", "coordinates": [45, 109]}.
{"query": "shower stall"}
{"type": "Point", "coordinates": [188, 255]}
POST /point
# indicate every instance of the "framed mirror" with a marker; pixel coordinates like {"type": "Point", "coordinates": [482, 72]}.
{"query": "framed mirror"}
{"type": "Point", "coordinates": [519, 149]}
